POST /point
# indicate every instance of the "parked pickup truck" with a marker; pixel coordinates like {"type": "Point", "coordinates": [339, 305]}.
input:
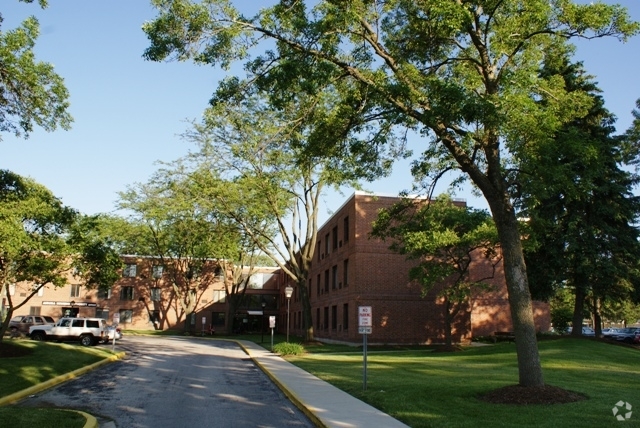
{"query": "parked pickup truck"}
{"type": "Point", "coordinates": [87, 331]}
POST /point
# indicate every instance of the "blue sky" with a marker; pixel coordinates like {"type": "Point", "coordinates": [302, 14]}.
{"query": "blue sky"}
{"type": "Point", "coordinates": [128, 112]}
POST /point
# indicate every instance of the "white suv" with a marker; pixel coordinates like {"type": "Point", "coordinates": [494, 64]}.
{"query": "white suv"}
{"type": "Point", "coordinates": [88, 331]}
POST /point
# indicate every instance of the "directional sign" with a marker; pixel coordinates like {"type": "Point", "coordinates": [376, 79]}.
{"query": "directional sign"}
{"type": "Point", "coordinates": [364, 330]}
{"type": "Point", "coordinates": [364, 316]}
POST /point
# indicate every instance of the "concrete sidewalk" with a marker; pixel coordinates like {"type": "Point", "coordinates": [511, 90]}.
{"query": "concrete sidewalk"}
{"type": "Point", "coordinates": [323, 403]}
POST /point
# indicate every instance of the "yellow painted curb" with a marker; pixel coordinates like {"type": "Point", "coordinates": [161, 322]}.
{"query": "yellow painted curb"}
{"type": "Point", "coordinates": [92, 422]}
{"type": "Point", "coordinates": [17, 396]}
{"type": "Point", "coordinates": [290, 394]}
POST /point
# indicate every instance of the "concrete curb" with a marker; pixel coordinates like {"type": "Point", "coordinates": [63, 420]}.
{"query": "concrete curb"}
{"type": "Point", "coordinates": [17, 396]}
{"type": "Point", "coordinates": [299, 403]}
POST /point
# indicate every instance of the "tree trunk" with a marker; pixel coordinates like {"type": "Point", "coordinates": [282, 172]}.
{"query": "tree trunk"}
{"type": "Point", "coordinates": [449, 321]}
{"type": "Point", "coordinates": [578, 311]}
{"type": "Point", "coordinates": [307, 322]}
{"type": "Point", "coordinates": [529, 367]}
{"type": "Point", "coordinates": [597, 317]}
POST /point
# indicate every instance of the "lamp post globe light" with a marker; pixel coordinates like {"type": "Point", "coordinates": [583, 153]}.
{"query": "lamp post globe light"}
{"type": "Point", "coordinates": [288, 291]}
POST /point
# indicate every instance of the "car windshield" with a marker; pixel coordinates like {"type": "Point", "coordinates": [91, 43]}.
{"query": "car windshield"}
{"type": "Point", "coordinates": [16, 319]}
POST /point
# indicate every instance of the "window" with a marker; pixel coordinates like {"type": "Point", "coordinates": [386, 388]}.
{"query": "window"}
{"type": "Point", "coordinates": [126, 315]}
{"type": "Point", "coordinates": [78, 323]}
{"type": "Point", "coordinates": [345, 272]}
{"type": "Point", "coordinates": [345, 316]}
{"type": "Point", "coordinates": [217, 318]}
{"type": "Point", "coordinates": [75, 290]}
{"type": "Point", "coordinates": [318, 285]}
{"type": "Point", "coordinates": [334, 277]}
{"type": "Point", "coordinates": [334, 317]}
{"type": "Point", "coordinates": [34, 310]}
{"type": "Point", "coordinates": [156, 271]}
{"type": "Point", "coordinates": [104, 294]}
{"type": "Point", "coordinates": [102, 313]}
{"type": "Point", "coordinates": [126, 293]}
{"type": "Point", "coordinates": [326, 281]}
{"type": "Point", "coordinates": [318, 324]}
{"type": "Point", "coordinates": [155, 294]}
{"type": "Point", "coordinates": [326, 317]}
{"type": "Point", "coordinates": [219, 296]}
{"type": "Point", "coordinates": [129, 271]}
{"type": "Point", "coordinates": [93, 324]}
{"type": "Point", "coordinates": [345, 229]}
{"type": "Point", "coordinates": [319, 249]}
{"type": "Point", "coordinates": [334, 237]}
{"type": "Point", "coordinates": [326, 244]}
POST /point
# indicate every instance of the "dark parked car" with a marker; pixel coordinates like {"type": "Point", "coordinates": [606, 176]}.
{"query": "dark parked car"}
{"type": "Point", "coordinates": [20, 324]}
{"type": "Point", "coordinates": [627, 335]}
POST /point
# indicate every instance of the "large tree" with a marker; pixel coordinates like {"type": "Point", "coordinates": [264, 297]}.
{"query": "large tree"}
{"type": "Point", "coordinates": [463, 73]}
{"type": "Point", "coordinates": [577, 192]}
{"type": "Point", "coordinates": [444, 239]}
{"type": "Point", "coordinates": [250, 163]}
{"type": "Point", "coordinates": [43, 243]}
{"type": "Point", "coordinates": [195, 244]}
{"type": "Point", "coordinates": [31, 93]}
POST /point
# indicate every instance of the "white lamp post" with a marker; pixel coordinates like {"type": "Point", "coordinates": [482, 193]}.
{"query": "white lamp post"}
{"type": "Point", "coordinates": [288, 291]}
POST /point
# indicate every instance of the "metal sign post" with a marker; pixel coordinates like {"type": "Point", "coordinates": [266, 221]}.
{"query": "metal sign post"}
{"type": "Point", "coordinates": [272, 325]}
{"type": "Point", "coordinates": [364, 328]}
{"type": "Point", "coordinates": [116, 321]}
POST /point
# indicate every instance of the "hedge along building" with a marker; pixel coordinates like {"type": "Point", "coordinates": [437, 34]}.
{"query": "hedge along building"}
{"type": "Point", "coordinates": [350, 270]}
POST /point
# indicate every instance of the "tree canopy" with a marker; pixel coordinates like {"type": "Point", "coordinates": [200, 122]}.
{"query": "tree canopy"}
{"type": "Point", "coordinates": [252, 165]}
{"type": "Point", "coordinates": [444, 239]}
{"type": "Point", "coordinates": [168, 219]}
{"type": "Point", "coordinates": [462, 74]}
{"type": "Point", "coordinates": [31, 92]}
{"type": "Point", "coordinates": [577, 194]}
{"type": "Point", "coordinates": [43, 243]}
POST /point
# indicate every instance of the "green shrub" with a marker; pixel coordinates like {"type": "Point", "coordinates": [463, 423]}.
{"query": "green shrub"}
{"type": "Point", "coordinates": [285, 348]}
{"type": "Point", "coordinates": [560, 318]}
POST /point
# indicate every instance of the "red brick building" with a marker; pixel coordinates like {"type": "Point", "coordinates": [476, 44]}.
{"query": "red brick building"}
{"type": "Point", "coordinates": [144, 299]}
{"type": "Point", "coordinates": [349, 270]}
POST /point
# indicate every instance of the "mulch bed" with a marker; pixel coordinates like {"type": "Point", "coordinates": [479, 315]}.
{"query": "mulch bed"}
{"type": "Point", "coordinates": [9, 350]}
{"type": "Point", "coordinates": [516, 394]}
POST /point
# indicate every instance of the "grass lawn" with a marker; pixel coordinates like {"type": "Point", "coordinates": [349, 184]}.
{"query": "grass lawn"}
{"type": "Point", "coordinates": [430, 389]}
{"type": "Point", "coordinates": [42, 361]}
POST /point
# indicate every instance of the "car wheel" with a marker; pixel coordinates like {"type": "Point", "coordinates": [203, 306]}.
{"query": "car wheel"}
{"type": "Point", "coordinates": [38, 335]}
{"type": "Point", "coordinates": [86, 340]}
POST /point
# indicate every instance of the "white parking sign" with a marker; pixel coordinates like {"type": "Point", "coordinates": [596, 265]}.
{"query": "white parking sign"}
{"type": "Point", "coordinates": [364, 316]}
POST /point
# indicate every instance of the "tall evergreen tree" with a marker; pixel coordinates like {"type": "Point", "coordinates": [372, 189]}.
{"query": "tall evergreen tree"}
{"type": "Point", "coordinates": [578, 198]}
